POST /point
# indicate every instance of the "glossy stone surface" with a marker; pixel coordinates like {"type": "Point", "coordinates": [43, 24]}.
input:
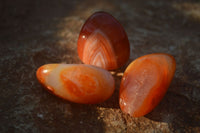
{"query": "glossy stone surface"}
{"type": "Point", "coordinates": [77, 83]}
{"type": "Point", "coordinates": [145, 82]}
{"type": "Point", "coordinates": [103, 42]}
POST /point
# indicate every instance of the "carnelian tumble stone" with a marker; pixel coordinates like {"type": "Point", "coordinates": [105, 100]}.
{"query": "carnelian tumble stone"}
{"type": "Point", "coordinates": [77, 82]}
{"type": "Point", "coordinates": [145, 82]}
{"type": "Point", "coordinates": [103, 42]}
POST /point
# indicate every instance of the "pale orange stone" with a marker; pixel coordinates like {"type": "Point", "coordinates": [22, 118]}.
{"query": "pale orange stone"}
{"type": "Point", "coordinates": [77, 82]}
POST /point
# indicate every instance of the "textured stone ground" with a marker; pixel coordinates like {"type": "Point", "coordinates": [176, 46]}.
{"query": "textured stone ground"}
{"type": "Point", "coordinates": [33, 33]}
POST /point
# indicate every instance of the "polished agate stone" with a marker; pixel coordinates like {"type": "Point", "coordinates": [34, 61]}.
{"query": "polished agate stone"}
{"type": "Point", "coordinates": [103, 42]}
{"type": "Point", "coordinates": [85, 84]}
{"type": "Point", "coordinates": [145, 82]}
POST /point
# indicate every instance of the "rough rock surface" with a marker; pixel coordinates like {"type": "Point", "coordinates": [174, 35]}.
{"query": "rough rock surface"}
{"type": "Point", "coordinates": [37, 32]}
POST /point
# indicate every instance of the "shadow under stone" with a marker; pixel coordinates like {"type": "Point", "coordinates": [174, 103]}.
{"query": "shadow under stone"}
{"type": "Point", "coordinates": [177, 109]}
{"type": "Point", "coordinates": [54, 114]}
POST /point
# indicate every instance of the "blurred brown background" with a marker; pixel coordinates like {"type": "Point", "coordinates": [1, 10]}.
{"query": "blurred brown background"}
{"type": "Point", "coordinates": [37, 32]}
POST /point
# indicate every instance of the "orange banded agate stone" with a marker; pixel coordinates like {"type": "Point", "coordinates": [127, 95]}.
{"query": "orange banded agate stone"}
{"type": "Point", "coordinates": [77, 83]}
{"type": "Point", "coordinates": [145, 82]}
{"type": "Point", "coordinates": [103, 42]}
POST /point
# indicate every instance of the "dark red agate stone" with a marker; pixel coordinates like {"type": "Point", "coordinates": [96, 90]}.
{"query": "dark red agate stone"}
{"type": "Point", "coordinates": [103, 42]}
